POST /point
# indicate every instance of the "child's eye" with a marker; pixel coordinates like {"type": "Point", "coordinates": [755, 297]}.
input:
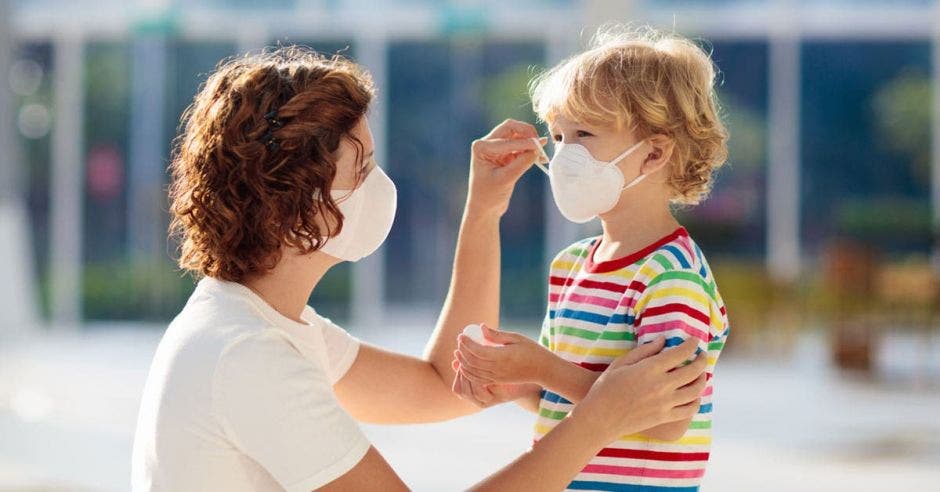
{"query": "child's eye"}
{"type": "Point", "coordinates": [582, 134]}
{"type": "Point", "coordinates": [556, 137]}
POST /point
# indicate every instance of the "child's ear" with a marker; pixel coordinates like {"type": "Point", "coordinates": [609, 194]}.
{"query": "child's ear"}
{"type": "Point", "coordinates": [659, 155]}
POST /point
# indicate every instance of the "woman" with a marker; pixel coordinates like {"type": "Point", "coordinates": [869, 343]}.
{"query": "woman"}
{"type": "Point", "coordinates": [274, 182]}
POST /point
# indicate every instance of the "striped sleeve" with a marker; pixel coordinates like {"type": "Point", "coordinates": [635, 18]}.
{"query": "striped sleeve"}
{"type": "Point", "coordinates": [678, 304]}
{"type": "Point", "coordinates": [545, 336]}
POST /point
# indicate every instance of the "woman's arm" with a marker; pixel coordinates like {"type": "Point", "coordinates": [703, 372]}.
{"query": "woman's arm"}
{"type": "Point", "coordinates": [625, 399]}
{"type": "Point", "coordinates": [383, 387]}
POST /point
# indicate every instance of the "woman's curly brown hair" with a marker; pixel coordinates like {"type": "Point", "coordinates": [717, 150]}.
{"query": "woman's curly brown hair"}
{"type": "Point", "coordinates": [236, 198]}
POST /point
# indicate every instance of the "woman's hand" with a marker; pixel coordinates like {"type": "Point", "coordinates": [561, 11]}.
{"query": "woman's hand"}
{"type": "Point", "coordinates": [496, 163]}
{"type": "Point", "coordinates": [517, 359]}
{"type": "Point", "coordinates": [629, 398]}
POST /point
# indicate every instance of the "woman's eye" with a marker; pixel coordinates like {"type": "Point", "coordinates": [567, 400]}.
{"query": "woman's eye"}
{"type": "Point", "coordinates": [582, 134]}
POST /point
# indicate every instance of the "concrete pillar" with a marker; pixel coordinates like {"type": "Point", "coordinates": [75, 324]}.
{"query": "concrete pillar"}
{"type": "Point", "coordinates": [367, 303]}
{"type": "Point", "coordinates": [146, 198]}
{"type": "Point", "coordinates": [18, 306]}
{"type": "Point", "coordinates": [68, 178]}
{"type": "Point", "coordinates": [783, 173]}
{"type": "Point", "coordinates": [935, 140]}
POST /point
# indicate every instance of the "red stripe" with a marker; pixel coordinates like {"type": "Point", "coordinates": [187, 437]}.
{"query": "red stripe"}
{"type": "Point", "coordinates": [560, 280]}
{"type": "Point", "coordinates": [609, 266]}
{"type": "Point", "coordinates": [596, 367]}
{"type": "Point", "coordinates": [588, 284]}
{"type": "Point", "coordinates": [674, 308]}
{"type": "Point", "coordinates": [639, 454]}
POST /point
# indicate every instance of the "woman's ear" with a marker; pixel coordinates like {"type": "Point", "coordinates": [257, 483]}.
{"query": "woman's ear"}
{"type": "Point", "coordinates": [659, 155]}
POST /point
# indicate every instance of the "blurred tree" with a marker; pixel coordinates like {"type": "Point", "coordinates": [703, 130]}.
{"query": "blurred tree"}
{"type": "Point", "coordinates": [505, 95]}
{"type": "Point", "coordinates": [902, 118]}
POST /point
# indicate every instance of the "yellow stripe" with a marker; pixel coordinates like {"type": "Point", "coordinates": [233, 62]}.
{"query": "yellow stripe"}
{"type": "Point", "coordinates": [672, 291]}
{"type": "Point", "coordinates": [542, 429]}
{"type": "Point", "coordinates": [599, 351]}
{"type": "Point", "coordinates": [562, 265]}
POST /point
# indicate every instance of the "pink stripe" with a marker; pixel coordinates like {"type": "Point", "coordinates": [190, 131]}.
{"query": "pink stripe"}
{"type": "Point", "coordinates": [644, 330]}
{"type": "Point", "coordinates": [597, 301]}
{"type": "Point", "coordinates": [708, 391]}
{"type": "Point", "coordinates": [643, 472]}
{"type": "Point", "coordinates": [629, 302]}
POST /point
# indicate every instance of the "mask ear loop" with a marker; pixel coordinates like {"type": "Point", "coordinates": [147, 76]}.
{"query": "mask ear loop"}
{"type": "Point", "coordinates": [541, 155]}
{"type": "Point", "coordinates": [624, 154]}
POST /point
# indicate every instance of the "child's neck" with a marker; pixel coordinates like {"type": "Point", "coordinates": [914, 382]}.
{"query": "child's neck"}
{"type": "Point", "coordinates": [630, 229]}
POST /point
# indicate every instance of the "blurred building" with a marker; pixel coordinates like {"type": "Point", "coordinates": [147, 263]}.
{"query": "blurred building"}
{"type": "Point", "coordinates": [828, 102]}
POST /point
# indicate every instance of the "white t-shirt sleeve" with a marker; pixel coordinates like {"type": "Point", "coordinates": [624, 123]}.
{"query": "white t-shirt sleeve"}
{"type": "Point", "coordinates": [279, 409]}
{"type": "Point", "coordinates": [341, 349]}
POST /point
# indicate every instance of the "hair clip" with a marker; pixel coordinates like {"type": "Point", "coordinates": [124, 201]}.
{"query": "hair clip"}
{"type": "Point", "coordinates": [269, 141]}
{"type": "Point", "coordinates": [273, 119]}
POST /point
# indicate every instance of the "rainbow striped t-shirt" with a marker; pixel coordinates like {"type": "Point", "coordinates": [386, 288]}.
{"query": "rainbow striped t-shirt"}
{"type": "Point", "coordinates": [598, 311]}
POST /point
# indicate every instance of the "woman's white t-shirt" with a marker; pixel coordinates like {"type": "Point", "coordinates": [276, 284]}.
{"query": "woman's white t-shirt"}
{"type": "Point", "coordinates": [240, 398]}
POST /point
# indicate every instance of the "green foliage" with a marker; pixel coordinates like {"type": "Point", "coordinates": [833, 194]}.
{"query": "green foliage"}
{"type": "Point", "coordinates": [902, 117]}
{"type": "Point", "coordinates": [506, 96]}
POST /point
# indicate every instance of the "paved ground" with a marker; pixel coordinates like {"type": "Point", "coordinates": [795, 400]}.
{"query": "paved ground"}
{"type": "Point", "coordinates": [68, 405]}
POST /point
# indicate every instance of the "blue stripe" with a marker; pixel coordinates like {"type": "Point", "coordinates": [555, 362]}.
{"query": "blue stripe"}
{"type": "Point", "coordinates": [600, 319]}
{"type": "Point", "coordinates": [580, 315]}
{"type": "Point", "coordinates": [622, 319]}
{"type": "Point", "coordinates": [678, 254]}
{"type": "Point", "coordinates": [625, 487]}
{"type": "Point", "coordinates": [706, 408]}
{"type": "Point", "coordinates": [554, 397]}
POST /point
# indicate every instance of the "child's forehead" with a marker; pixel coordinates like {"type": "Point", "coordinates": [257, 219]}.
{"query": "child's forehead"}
{"type": "Point", "coordinates": [562, 121]}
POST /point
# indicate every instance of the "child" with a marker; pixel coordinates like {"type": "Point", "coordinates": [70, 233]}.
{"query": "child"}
{"type": "Point", "coordinates": [636, 128]}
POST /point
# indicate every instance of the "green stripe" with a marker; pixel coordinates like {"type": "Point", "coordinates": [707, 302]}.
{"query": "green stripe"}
{"type": "Point", "coordinates": [552, 414]}
{"type": "Point", "coordinates": [578, 251]}
{"type": "Point", "coordinates": [684, 275]}
{"type": "Point", "coordinates": [716, 346]}
{"type": "Point", "coordinates": [593, 335]}
{"type": "Point", "coordinates": [618, 335]}
{"type": "Point", "coordinates": [663, 261]}
{"type": "Point", "coordinates": [701, 425]}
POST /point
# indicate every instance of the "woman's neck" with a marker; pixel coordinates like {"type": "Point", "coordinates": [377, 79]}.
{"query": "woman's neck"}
{"type": "Point", "coordinates": [288, 286]}
{"type": "Point", "coordinates": [630, 228]}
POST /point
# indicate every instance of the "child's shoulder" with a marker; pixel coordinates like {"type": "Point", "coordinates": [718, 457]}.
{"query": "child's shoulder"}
{"type": "Point", "coordinates": [679, 258]}
{"type": "Point", "coordinates": [576, 251]}
{"type": "Point", "coordinates": [676, 252]}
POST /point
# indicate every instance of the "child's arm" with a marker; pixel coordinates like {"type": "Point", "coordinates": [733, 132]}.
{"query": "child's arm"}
{"type": "Point", "coordinates": [679, 305]}
{"type": "Point", "coordinates": [520, 359]}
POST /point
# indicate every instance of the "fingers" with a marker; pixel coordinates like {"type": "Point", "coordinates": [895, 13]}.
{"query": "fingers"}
{"type": "Point", "coordinates": [497, 336]}
{"type": "Point", "coordinates": [513, 128]}
{"type": "Point", "coordinates": [669, 359]}
{"type": "Point", "coordinates": [501, 147]}
{"type": "Point", "coordinates": [480, 393]}
{"type": "Point", "coordinates": [639, 353]}
{"type": "Point", "coordinates": [685, 411]}
{"type": "Point", "coordinates": [470, 347]}
{"type": "Point", "coordinates": [685, 375]}
{"type": "Point", "coordinates": [692, 391]}
{"type": "Point", "coordinates": [478, 374]}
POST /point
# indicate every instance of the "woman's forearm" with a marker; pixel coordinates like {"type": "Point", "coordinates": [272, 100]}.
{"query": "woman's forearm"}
{"type": "Point", "coordinates": [568, 379]}
{"type": "Point", "coordinates": [552, 461]}
{"type": "Point", "coordinates": [473, 296]}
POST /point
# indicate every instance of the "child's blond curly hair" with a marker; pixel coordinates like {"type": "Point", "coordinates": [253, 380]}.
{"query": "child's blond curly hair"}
{"type": "Point", "coordinates": [658, 83]}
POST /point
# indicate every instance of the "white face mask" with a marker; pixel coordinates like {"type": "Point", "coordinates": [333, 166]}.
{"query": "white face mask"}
{"type": "Point", "coordinates": [368, 213]}
{"type": "Point", "coordinates": [584, 187]}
